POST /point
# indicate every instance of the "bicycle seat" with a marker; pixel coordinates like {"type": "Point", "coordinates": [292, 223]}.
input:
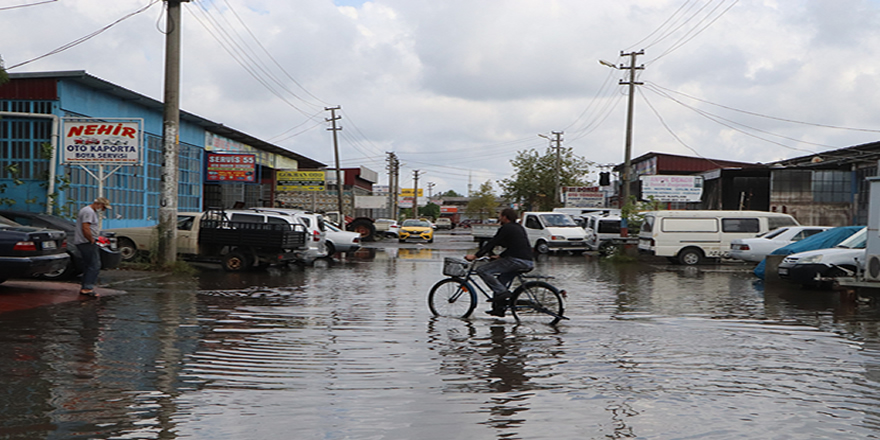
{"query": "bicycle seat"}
{"type": "Point", "coordinates": [522, 271]}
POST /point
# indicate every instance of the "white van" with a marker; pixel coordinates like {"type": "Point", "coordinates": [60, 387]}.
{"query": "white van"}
{"type": "Point", "coordinates": [689, 237]}
{"type": "Point", "coordinates": [553, 231]}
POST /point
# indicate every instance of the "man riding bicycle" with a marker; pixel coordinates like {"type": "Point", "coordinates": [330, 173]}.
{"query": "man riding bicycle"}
{"type": "Point", "coordinates": [517, 257]}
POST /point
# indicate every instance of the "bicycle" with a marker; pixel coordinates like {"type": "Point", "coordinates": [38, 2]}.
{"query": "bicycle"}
{"type": "Point", "coordinates": [456, 296]}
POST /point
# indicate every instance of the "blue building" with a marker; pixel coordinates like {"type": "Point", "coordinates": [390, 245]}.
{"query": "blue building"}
{"type": "Point", "coordinates": [33, 108]}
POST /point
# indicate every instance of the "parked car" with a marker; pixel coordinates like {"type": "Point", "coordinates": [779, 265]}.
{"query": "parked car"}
{"type": "Point", "coordinates": [109, 251]}
{"type": "Point", "coordinates": [387, 227]}
{"type": "Point", "coordinates": [341, 241]}
{"type": "Point", "coordinates": [601, 228]}
{"type": "Point", "coordinates": [757, 248]}
{"type": "Point", "coordinates": [416, 230]}
{"type": "Point", "coordinates": [443, 223]}
{"type": "Point", "coordinates": [808, 268]}
{"type": "Point", "coordinates": [313, 222]}
{"type": "Point", "coordinates": [29, 252]}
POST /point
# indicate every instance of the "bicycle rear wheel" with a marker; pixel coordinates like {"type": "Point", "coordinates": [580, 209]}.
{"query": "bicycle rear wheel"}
{"type": "Point", "coordinates": [537, 301]}
{"type": "Point", "coordinates": [452, 297]}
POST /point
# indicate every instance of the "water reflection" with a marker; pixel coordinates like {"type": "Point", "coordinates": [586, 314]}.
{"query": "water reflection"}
{"type": "Point", "coordinates": [347, 349]}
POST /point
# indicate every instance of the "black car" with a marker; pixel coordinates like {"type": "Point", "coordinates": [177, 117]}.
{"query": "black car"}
{"type": "Point", "coordinates": [29, 252]}
{"type": "Point", "coordinates": [110, 256]}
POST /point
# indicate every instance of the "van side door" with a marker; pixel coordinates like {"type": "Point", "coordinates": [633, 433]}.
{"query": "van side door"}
{"type": "Point", "coordinates": [534, 228]}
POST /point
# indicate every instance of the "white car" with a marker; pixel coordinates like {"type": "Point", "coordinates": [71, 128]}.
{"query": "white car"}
{"type": "Point", "coordinates": [756, 249]}
{"type": "Point", "coordinates": [341, 241]}
{"type": "Point", "coordinates": [315, 226]}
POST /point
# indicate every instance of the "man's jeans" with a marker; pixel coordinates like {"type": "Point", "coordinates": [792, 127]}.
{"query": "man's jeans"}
{"type": "Point", "coordinates": [505, 269]}
{"type": "Point", "coordinates": [91, 264]}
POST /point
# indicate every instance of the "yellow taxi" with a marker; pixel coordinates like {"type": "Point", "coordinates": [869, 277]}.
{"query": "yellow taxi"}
{"type": "Point", "coordinates": [416, 230]}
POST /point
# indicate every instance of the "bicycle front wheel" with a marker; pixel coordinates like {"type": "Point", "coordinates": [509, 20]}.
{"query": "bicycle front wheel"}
{"type": "Point", "coordinates": [452, 297]}
{"type": "Point", "coordinates": [537, 301]}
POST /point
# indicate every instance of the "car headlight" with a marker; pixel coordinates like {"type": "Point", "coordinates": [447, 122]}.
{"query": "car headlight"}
{"type": "Point", "coordinates": [812, 259]}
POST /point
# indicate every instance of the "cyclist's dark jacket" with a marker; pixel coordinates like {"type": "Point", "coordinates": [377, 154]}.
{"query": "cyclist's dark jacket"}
{"type": "Point", "coordinates": [511, 236]}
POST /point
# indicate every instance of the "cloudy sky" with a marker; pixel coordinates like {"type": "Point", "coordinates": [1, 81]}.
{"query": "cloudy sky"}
{"type": "Point", "coordinates": [457, 87]}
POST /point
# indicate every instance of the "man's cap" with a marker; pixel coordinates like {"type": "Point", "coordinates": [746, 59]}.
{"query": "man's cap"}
{"type": "Point", "coordinates": [104, 201]}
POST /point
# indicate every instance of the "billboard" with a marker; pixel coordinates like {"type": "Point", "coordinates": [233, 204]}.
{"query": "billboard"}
{"type": "Point", "coordinates": [103, 141]}
{"type": "Point", "coordinates": [583, 197]}
{"type": "Point", "coordinates": [672, 188]}
{"type": "Point", "coordinates": [300, 180]}
{"type": "Point", "coordinates": [231, 168]}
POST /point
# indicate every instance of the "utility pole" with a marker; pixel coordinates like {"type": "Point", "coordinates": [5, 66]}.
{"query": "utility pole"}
{"type": "Point", "coordinates": [415, 193]}
{"type": "Point", "coordinates": [627, 156]}
{"type": "Point", "coordinates": [167, 246]}
{"type": "Point", "coordinates": [334, 129]}
{"type": "Point", "coordinates": [393, 169]}
{"type": "Point", "coordinates": [431, 186]}
{"type": "Point", "coordinates": [558, 147]}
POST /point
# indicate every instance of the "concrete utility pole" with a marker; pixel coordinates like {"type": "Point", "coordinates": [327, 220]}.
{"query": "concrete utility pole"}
{"type": "Point", "coordinates": [431, 186]}
{"type": "Point", "coordinates": [334, 129]}
{"type": "Point", "coordinates": [415, 193]}
{"type": "Point", "coordinates": [167, 246]}
{"type": "Point", "coordinates": [393, 169]}
{"type": "Point", "coordinates": [627, 156]}
{"type": "Point", "coordinates": [558, 147]}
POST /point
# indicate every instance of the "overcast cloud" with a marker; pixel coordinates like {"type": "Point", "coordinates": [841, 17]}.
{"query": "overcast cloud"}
{"type": "Point", "coordinates": [457, 87]}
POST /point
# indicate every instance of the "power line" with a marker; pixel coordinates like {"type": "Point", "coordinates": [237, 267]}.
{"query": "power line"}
{"type": "Point", "coordinates": [85, 38]}
{"type": "Point", "coordinates": [4, 8]}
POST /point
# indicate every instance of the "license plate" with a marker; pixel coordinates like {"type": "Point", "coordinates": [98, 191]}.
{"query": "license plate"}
{"type": "Point", "coordinates": [49, 245]}
{"type": "Point", "coordinates": [783, 271]}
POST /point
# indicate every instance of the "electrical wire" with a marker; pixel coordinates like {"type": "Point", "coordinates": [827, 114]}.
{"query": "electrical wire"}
{"type": "Point", "coordinates": [4, 8]}
{"type": "Point", "coordinates": [693, 32]}
{"type": "Point", "coordinates": [765, 116]}
{"type": "Point", "coordinates": [85, 38]}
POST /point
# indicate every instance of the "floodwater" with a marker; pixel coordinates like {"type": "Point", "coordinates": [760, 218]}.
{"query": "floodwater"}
{"type": "Point", "coordinates": [348, 350]}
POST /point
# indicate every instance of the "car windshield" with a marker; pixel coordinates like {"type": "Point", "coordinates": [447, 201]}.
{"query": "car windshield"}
{"type": "Point", "coordinates": [859, 240]}
{"type": "Point", "coordinates": [558, 220]}
{"type": "Point", "coordinates": [330, 226]}
{"type": "Point", "coordinates": [6, 222]}
{"type": "Point", "coordinates": [416, 224]}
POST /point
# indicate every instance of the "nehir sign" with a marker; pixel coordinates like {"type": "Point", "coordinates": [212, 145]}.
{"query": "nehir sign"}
{"type": "Point", "coordinates": [101, 142]}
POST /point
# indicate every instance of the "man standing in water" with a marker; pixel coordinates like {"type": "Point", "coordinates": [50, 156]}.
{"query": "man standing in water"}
{"type": "Point", "coordinates": [86, 233]}
{"type": "Point", "coordinates": [517, 257]}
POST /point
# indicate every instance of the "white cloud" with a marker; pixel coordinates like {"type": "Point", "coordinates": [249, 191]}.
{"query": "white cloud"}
{"type": "Point", "coordinates": [457, 87]}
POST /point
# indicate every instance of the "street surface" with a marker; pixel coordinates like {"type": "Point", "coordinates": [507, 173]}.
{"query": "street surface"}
{"type": "Point", "coordinates": [347, 349]}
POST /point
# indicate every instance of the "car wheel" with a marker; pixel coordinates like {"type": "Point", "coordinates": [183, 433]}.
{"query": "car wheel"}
{"type": "Point", "coordinates": [542, 248]}
{"type": "Point", "coordinates": [62, 274]}
{"type": "Point", "coordinates": [331, 250]}
{"type": "Point", "coordinates": [235, 262]}
{"type": "Point", "coordinates": [690, 256]}
{"type": "Point", "coordinates": [127, 249]}
{"type": "Point", "coordinates": [607, 249]}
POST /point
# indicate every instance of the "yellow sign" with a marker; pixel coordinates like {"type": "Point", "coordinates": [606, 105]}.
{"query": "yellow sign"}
{"type": "Point", "coordinates": [408, 192]}
{"type": "Point", "coordinates": [299, 180]}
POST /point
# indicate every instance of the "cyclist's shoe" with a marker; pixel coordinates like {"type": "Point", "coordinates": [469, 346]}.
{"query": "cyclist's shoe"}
{"type": "Point", "coordinates": [495, 312]}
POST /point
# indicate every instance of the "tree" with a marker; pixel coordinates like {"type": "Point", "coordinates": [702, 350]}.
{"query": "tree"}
{"type": "Point", "coordinates": [482, 203]}
{"type": "Point", "coordinates": [451, 193]}
{"type": "Point", "coordinates": [431, 210]}
{"type": "Point", "coordinates": [535, 177]}
{"type": "Point", "coordinates": [4, 78]}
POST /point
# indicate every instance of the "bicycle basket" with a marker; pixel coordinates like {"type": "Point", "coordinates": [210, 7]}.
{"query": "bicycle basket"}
{"type": "Point", "coordinates": [454, 267]}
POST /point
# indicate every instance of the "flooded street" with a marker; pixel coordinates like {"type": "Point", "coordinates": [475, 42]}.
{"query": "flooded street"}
{"type": "Point", "coordinates": [349, 350]}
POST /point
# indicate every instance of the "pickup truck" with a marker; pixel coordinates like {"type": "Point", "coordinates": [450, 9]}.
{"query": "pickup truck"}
{"type": "Point", "coordinates": [211, 236]}
{"type": "Point", "coordinates": [547, 231]}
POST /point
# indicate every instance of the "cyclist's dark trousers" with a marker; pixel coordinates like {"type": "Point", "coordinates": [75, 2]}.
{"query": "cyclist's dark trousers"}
{"type": "Point", "coordinates": [505, 269]}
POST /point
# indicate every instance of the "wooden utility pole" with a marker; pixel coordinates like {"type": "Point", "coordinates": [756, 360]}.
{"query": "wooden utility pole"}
{"type": "Point", "coordinates": [334, 129]}
{"type": "Point", "coordinates": [167, 246]}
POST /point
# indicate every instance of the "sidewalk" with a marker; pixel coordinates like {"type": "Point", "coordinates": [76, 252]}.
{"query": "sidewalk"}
{"type": "Point", "coordinates": [22, 294]}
